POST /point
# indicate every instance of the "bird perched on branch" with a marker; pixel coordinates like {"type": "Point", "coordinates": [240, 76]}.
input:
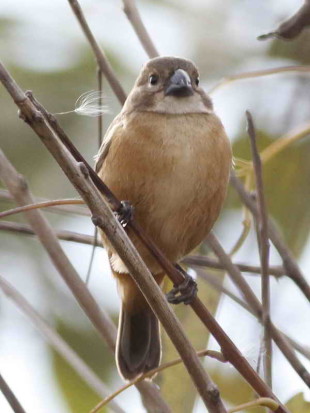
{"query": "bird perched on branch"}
{"type": "Point", "coordinates": [168, 155]}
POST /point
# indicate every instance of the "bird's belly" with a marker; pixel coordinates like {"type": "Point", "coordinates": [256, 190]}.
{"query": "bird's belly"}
{"type": "Point", "coordinates": [175, 186]}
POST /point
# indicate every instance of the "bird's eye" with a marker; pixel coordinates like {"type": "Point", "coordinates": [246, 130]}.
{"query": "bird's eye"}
{"type": "Point", "coordinates": [197, 81]}
{"type": "Point", "coordinates": [153, 79]}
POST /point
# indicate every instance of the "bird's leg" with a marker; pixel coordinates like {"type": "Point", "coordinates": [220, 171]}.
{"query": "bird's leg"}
{"type": "Point", "coordinates": [125, 213]}
{"type": "Point", "coordinates": [184, 292]}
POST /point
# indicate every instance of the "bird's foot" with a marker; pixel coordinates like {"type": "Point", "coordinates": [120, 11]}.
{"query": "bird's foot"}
{"type": "Point", "coordinates": [184, 292]}
{"type": "Point", "coordinates": [125, 213]}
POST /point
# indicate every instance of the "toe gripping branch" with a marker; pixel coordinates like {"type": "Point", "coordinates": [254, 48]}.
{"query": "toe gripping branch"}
{"type": "Point", "coordinates": [125, 213]}
{"type": "Point", "coordinates": [184, 292]}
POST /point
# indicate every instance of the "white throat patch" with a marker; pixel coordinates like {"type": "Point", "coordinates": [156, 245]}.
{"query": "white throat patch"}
{"type": "Point", "coordinates": [181, 105]}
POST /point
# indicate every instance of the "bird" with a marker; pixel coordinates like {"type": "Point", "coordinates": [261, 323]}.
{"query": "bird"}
{"type": "Point", "coordinates": [167, 154]}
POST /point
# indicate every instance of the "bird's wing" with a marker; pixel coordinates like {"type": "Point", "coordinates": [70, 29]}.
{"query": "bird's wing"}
{"type": "Point", "coordinates": [106, 142]}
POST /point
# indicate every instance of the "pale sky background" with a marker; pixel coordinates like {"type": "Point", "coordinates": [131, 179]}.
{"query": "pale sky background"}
{"type": "Point", "coordinates": [45, 39]}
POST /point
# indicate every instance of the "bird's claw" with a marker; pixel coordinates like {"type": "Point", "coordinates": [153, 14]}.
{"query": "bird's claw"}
{"type": "Point", "coordinates": [184, 292]}
{"type": "Point", "coordinates": [125, 213]}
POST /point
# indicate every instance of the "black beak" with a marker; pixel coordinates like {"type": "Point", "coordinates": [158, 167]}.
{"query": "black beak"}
{"type": "Point", "coordinates": [179, 84]}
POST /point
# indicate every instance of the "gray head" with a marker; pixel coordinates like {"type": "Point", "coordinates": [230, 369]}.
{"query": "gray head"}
{"type": "Point", "coordinates": [168, 85]}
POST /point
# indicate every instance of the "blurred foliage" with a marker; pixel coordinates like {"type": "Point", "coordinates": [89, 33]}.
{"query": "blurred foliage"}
{"type": "Point", "coordinates": [297, 404]}
{"type": "Point", "coordinates": [79, 397]}
{"type": "Point", "coordinates": [287, 183]}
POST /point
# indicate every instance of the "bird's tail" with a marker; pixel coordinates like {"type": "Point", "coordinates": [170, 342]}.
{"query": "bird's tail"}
{"type": "Point", "coordinates": [138, 344]}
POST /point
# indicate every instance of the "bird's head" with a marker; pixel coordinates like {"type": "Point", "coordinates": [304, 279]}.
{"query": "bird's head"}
{"type": "Point", "coordinates": [168, 85]}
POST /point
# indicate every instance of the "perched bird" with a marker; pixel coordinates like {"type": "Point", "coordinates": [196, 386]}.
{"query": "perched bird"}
{"type": "Point", "coordinates": [168, 155]}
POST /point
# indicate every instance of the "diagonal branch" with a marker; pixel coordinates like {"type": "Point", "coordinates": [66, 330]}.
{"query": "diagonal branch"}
{"type": "Point", "coordinates": [58, 343]}
{"type": "Point", "coordinates": [102, 60]}
{"type": "Point", "coordinates": [10, 396]}
{"type": "Point", "coordinates": [70, 209]}
{"type": "Point", "coordinates": [254, 303]}
{"type": "Point", "coordinates": [39, 205]}
{"type": "Point", "coordinates": [263, 242]}
{"type": "Point", "coordinates": [134, 17]}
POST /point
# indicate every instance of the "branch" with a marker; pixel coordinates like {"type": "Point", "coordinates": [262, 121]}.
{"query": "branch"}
{"type": "Point", "coordinates": [254, 303]}
{"type": "Point", "coordinates": [202, 261]}
{"type": "Point", "coordinates": [58, 343]}
{"type": "Point", "coordinates": [69, 209]}
{"type": "Point", "coordinates": [101, 321]}
{"type": "Point", "coordinates": [134, 17]}
{"type": "Point", "coordinates": [292, 27]}
{"type": "Point", "coordinates": [47, 134]}
{"type": "Point", "coordinates": [292, 269]}
{"type": "Point", "coordinates": [217, 285]}
{"type": "Point", "coordinates": [258, 73]}
{"type": "Point", "coordinates": [102, 60]}
{"type": "Point", "coordinates": [10, 396]}
{"type": "Point", "coordinates": [263, 242]}
{"type": "Point", "coordinates": [39, 205]}
{"type": "Point", "coordinates": [262, 401]}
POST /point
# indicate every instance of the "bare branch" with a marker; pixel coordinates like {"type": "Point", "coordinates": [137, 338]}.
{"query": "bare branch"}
{"type": "Point", "coordinates": [262, 401]}
{"type": "Point", "coordinates": [217, 285]}
{"type": "Point", "coordinates": [292, 269]}
{"type": "Point", "coordinates": [69, 209]}
{"type": "Point", "coordinates": [134, 17]}
{"type": "Point", "coordinates": [102, 60]}
{"type": "Point", "coordinates": [263, 242]}
{"type": "Point", "coordinates": [254, 303]}
{"type": "Point", "coordinates": [10, 396]}
{"type": "Point", "coordinates": [202, 261]}
{"type": "Point", "coordinates": [39, 205]}
{"type": "Point", "coordinates": [292, 27]}
{"type": "Point", "coordinates": [258, 73]}
{"type": "Point", "coordinates": [58, 343]}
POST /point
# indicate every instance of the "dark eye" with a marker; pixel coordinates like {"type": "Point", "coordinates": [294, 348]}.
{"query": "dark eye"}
{"type": "Point", "coordinates": [153, 79]}
{"type": "Point", "coordinates": [197, 81]}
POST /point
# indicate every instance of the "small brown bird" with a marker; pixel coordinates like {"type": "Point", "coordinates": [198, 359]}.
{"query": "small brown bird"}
{"type": "Point", "coordinates": [168, 155]}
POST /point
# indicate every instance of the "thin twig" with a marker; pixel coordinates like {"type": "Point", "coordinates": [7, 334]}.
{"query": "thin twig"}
{"type": "Point", "coordinates": [203, 261]}
{"type": "Point", "coordinates": [254, 303]}
{"type": "Point", "coordinates": [263, 242]}
{"type": "Point", "coordinates": [47, 134]}
{"type": "Point", "coordinates": [102, 60]}
{"type": "Point", "coordinates": [202, 353]}
{"type": "Point", "coordinates": [40, 205]}
{"type": "Point", "coordinates": [258, 73]}
{"type": "Point", "coordinates": [134, 17]}
{"type": "Point", "coordinates": [16, 227]}
{"type": "Point", "coordinates": [68, 209]}
{"type": "Point", "coordinates": [262, 401]}
{"type": "Point", "coordinates": [291, 267]}
{"type": "Point", "coordinates": [58, 343]}
{"type": "Point", "coordinates": [10, 396]}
